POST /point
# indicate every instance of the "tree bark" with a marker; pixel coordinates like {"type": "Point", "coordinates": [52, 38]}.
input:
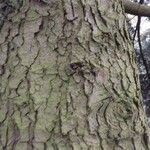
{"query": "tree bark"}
{"type": "Point", "coordinates": [69, 78]}
{"type": "Point", "coordinates": [136, 8]}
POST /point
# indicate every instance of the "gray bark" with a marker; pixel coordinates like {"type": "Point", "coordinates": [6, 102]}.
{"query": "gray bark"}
{"type": "Point", "coordinates": [69, 78]}
{"type": "Point", "coordinates": [136, 8]}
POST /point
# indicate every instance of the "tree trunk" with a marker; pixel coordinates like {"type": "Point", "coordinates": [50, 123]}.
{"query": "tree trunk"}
{"type": "Point", "coordinates": [68, 77]}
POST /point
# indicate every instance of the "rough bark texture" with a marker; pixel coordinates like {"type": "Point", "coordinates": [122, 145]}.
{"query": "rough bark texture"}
{"type": "Point", "coordinates": [68, 77]}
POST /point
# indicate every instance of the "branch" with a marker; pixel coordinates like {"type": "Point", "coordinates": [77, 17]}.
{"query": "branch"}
{"type": "Point", "coordinates": [138, 26]}
{"type": "Point", "coordinates": [136, 8]}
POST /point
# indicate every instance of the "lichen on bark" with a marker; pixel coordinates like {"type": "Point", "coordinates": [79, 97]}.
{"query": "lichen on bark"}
{"type": "Point", "coordinates": [69, 78]}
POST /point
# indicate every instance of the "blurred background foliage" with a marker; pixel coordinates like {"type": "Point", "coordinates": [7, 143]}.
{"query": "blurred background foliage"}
{"type": "Point", "coordinates": [139, 28]}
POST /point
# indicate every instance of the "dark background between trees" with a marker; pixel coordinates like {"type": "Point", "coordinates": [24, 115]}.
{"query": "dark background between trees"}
{"type": "Point", "coordinates": [142, 47]}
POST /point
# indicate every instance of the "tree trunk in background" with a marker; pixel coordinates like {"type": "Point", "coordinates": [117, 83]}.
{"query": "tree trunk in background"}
{"type": "Point", "coordinates": [68, 77]}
